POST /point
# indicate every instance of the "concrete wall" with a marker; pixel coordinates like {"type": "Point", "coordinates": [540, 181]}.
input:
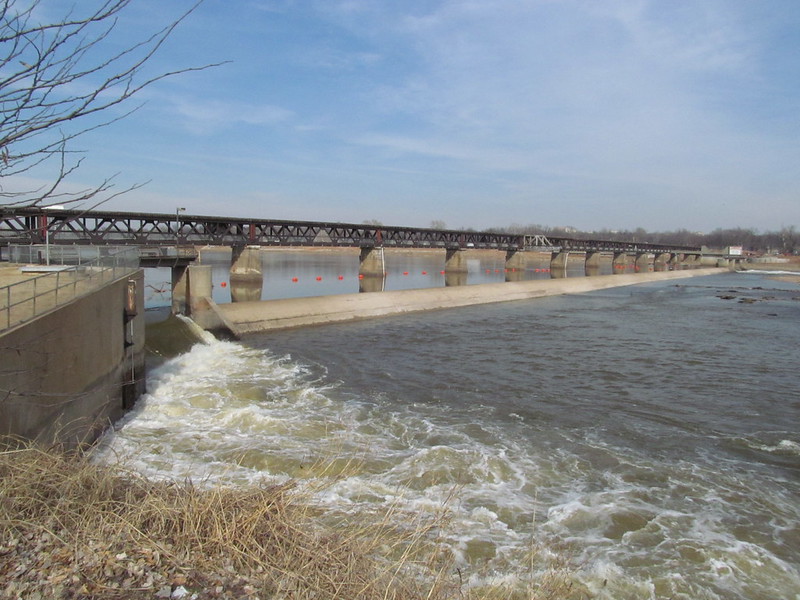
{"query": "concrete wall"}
{"type": "Point", "coordinates": [69, 373]}
{"type": "Point", "coordinates": [252, 317]}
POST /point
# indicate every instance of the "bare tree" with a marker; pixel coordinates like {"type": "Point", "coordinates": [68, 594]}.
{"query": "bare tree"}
{"type": "Point", "coordinates": [59, 79]}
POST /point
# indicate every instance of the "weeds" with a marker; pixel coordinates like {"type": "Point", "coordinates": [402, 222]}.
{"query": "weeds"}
{"type": "Point", "coordinates": [70, 528]}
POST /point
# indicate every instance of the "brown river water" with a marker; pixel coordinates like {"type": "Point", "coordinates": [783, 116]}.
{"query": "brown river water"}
{"type": "Point", "coordinates": [649, 434]}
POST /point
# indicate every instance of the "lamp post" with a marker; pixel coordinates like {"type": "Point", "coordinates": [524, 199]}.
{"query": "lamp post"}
{"type": "Point", "coordinates": [178, 212]}
{"type": "Point", "coordinates": [47, 230]}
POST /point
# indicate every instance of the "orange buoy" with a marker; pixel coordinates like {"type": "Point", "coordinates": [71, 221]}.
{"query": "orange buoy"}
{"type": "Point", "coordinates": [341, 277]}
{"type": "Point", "coordinates": [319, 278]}
{"type": "Point", "coordinates": [294, 279]}
{"type": "Point", "coordinates": [223, 284]}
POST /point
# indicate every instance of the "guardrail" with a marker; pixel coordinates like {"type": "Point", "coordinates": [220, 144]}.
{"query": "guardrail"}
{"type": "Point", "coordinates": [70, 274]}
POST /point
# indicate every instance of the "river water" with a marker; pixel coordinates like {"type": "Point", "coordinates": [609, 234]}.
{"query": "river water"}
{"type": "Point", "coordinates": [326, 271]}
{"type": "Point", "coordinates": [649, 435]}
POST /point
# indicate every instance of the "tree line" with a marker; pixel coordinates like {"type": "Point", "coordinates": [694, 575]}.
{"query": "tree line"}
{"type": "Point", "coordinates": [783, 241]}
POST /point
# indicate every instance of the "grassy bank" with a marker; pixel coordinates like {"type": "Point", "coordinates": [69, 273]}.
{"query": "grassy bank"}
{"type": "Point", "coordinates": [70, 528]}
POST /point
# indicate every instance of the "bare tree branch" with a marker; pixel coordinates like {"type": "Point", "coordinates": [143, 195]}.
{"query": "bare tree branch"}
{"type": "Point", "coordinates": [56, 78]}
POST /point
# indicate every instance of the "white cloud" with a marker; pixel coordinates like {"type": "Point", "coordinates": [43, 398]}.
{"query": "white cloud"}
{"type": "Point", "coordinates": [207, 116]}
{"type": "Point", "coordinates": [336, 59]}
{"type": "Point", "coordinates": [573, 75]}
{"type": "Point", "coordinates": [582, 106]}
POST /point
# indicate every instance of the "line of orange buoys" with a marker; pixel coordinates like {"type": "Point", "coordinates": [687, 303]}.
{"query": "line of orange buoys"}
{"type": "Point", "coordinates": [442, 272]}
{"type": "Point", "coordinates": [488, 271]}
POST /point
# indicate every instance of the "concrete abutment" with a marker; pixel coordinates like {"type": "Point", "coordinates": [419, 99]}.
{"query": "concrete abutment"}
{"type": "Point", "coordinates": [72, 371]}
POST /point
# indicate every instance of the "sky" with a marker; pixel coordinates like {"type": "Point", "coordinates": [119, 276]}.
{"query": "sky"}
{"type": "Point", "coordinates": [594, 114]}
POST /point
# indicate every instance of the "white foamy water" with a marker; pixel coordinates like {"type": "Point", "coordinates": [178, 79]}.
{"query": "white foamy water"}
{"type": "Point", "coordinates": [654, 453]}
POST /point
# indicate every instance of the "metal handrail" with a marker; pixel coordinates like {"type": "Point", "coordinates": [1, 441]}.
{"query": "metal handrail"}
{"type": "Point", "coordinates": [25, 300]}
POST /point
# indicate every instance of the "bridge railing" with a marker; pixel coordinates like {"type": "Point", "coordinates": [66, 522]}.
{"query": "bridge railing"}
{"type": "Point", "coordinates": [70, 274]}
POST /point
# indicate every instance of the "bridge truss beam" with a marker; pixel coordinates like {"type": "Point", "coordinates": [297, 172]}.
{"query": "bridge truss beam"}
{"type": "Point", "coordinates": [38, 225]}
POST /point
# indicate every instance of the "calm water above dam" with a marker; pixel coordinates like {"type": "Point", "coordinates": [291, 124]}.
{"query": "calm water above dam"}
{"type": "Point", "coordinates": [326, 271]}
{"type": "Point", "coordinates": [651, 434]}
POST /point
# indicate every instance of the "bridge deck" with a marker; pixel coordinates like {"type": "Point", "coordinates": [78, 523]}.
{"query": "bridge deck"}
{"type": "Point", "coordinates": [40, 226]}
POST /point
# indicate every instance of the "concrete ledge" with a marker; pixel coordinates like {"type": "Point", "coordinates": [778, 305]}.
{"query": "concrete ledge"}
{"type": "Point", "coordinates": [243, 318]}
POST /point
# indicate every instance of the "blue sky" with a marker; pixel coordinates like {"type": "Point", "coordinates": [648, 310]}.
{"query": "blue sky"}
{"type": "Point", "coordinates": [590, 113]}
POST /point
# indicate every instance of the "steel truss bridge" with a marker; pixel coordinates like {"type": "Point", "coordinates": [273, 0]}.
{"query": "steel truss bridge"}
{"type": "Point", "coordinates": [34, 225]}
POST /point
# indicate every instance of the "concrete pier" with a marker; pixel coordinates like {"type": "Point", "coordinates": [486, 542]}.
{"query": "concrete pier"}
{"type": "Point", "coordinates": [455, 279]}
{"type": "Point", "coordinates": [246, 262]}
{"type": "Point", "coordinates": [372, 262]}
{"type": "Point", "coordinates": [246, 275]}
{"type": "Point", "coordinates": [455, 261]}
{"type": "Point", "coordinates": [661, 261]}
{"type": "Point", "coordinates": [180, 288]}
{"type": "Point", "coordinates": [515, 265]}
{"type": "Point", "coordinates": [619, 263]}
{"type": "Point", "coordinates": [368, 285]}
{"type": "Point", "coordinates": [516, 260]}
{"type": "Point", "coordinates": [246, 290]}
{"type": "Point", "coordinates": [559, 260]}
{"type": "Point", "coordinates": [691, 261]}
{"type": "Point", "coordinates": [593, 260]}
{"type": "Point", "coordinates": [643, 262]}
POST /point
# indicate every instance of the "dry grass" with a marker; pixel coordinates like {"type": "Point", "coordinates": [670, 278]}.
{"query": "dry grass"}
{"type": "Point", "coordinates": [70, 528]}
